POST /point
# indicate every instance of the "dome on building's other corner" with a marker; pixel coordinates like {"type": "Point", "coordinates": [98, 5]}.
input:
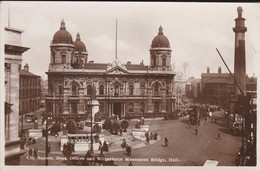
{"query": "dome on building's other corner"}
{"type": "Point", "coordinates": [79, 45]}
{"type": "Point", "coordinates": [160, 41]}
{"type": "Point", "coordinates": [62, 36]}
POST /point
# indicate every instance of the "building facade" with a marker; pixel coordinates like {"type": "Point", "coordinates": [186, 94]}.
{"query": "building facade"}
{"type": "Point", "coordinates": [29, 93]}
{"type": "Point", "coordinates": [217, 88]}
{"type": "Point", "coordinates": [13, 58]}
{"type": "Point", "coordinates": [121, 89]}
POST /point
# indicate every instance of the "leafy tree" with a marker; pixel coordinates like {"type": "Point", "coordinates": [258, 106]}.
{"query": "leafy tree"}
{"type": "Point", "coordinates": [96, 129]}
{"type": "Point", "coordinates": [115, 127]}
{"type": "Point", "coordinates": [71, 127]}
{"type": "Point", "coordinates": [124, 125]}
{"type": "Point", "coordinates": [55, 128]}
{"type": "Point", "coordinates": [107, 124]}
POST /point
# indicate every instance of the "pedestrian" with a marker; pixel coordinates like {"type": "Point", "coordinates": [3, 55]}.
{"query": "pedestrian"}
{"type": "Point", "coordinates": [166, 141]}
{"type": "Point", "coordinates": [35, 152]}
{"type": "Point", "coordinates": [100, 145]}
{"type": "Point", "coordinates": [219, 137]}
{"type": "Point", "coordinates": [49, 148]}
{"type": "Point", "coordinates": [151, 135]}
{"type": "Point", "coordinates": [155, 135]}
{"type": "Point", "coordinates": [30, 151]}
{"type": "Point", "coordinates": [121, 131]}
{"type": "Point", "coordinates": [147, 140]}
{"type": "Point", "coordinates": [128, 150]}
{"type": "Point", "coordinates": [101, 152]}
{"type": "Point", "coordinates": [206, 119]}
{"type": "Point", "coordinates": [189, 124]}
{"type": "Point", "coordinates": [105, 146]}
{"type": "Point", "coordinates": [196, 130]}
{"type": "Point", "coordinates": [33, 141]}
{"type": "Point", "coordinates": [130, 164]}
{"type": "Point", "coordinates": [123, 145]}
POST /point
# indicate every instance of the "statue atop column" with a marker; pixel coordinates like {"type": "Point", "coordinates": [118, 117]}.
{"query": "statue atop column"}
{"type": "Point", "coordinates": [239, 11]}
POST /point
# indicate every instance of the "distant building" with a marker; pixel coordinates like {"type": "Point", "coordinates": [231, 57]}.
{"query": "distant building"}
{"type": "Point", "coordinates": [193, 89]}
{"type": "Point", "coordinates": [13, 59]}
{"type": "Point", "coordinates": [121, 89]}
{"type": "Point", "coordinates": [218, 87]}
{"type": "Point", "coordinates": [29, 93]}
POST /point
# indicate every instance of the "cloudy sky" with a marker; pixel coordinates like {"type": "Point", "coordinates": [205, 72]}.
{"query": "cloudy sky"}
{"type": "Point", "coordinates": [194, 30]}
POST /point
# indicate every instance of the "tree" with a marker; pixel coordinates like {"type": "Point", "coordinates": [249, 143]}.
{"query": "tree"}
{"type": "Point", "coordinates": [55, 128]}
{"type": "Point", "coordinates": [124, 125]}
{"type": "Point", "coordinates": [96, 129]}
{"type": "Point", "coordinates": [115, 127]}
{"type": "Point", "coordinates": [107, 124]}
{"type": "Point", "coordinates": [71, 127]}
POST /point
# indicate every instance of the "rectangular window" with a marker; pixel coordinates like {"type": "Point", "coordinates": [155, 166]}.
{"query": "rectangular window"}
{"type": "Point", "coordinates": [163, 61]}
{"type": "Point", "coordinates": [63, 58]}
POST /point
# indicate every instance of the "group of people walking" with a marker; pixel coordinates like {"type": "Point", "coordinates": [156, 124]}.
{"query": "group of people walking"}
{"type": "Point", "coordinates": [33, 152]}
{"type": "Point", "coordinates": [128, 149]}
{"type": "Point", "coordinates": [150, 136]}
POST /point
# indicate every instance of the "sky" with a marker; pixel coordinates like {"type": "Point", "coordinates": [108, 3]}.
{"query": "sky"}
{"type": "Point", "coordinates": [194, 30]}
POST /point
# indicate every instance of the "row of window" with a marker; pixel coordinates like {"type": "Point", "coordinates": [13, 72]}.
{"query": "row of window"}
{"type": "Point", "coordinates": [29, 106]}
{"type": "Point", "coordinates": [115, 91]}
{"type": "Point", "coordinates": [30, 81]}
{"type": "Point", "coordinates": [154, 59]}
{"type": "Point", "coordinates": [29, 92]}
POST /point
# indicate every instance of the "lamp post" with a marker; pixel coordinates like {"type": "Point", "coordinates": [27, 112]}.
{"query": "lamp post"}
{"type": "Point", "coordinates": [47, 117]}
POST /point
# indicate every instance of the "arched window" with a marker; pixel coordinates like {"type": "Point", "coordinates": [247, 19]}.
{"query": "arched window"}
{"type": "Point", "coordinates": [60, 89]}
{"type": "Point", "coordinates": [163, 61]}
{"type": "Point", "coordinates": [63, 59]}
{"type": "Point", "coordinates": [156, 90]}
{"type": "Point", "coordinates": [154, 60]}
{"type": "Point", "coordinates": [116, 90]}
{"type": "Point", "coordinates": [142, 90]}
{"type": "Point", "coordinates": [131, 107]}
{"type": "Point", "coordinates": [101, 90]}
{"type": "Point", "coordinates": [131, 90]}
{"type": "Point", "coordinates": [89, 90]}
{"type": "Point", "coordinates": [74, 89]}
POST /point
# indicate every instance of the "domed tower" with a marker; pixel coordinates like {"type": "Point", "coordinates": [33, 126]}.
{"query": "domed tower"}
{"type": "Point", "coordinates": [80, 54]}
{"type": "Point", "coordinates": [62, 49]}
{"type": "Point", "coordinates": [160, 53]}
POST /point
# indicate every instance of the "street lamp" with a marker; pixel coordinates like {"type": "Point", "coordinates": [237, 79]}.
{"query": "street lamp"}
{"type": "Point", "coordinates": [47, 118]}
{"type": "Point", "coordinates": [64, 128]}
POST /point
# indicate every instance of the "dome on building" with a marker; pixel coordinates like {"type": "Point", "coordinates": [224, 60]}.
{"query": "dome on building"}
{"type": "Point", "coordinates": [160, 41]}
{"type": "Point", "coordinates": [79, 45]}
{"type": "Point", "coordinates": [62, 36]}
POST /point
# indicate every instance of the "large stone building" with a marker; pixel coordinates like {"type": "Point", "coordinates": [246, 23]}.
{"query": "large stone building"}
{"type": "Point", "coordinates": [12, 59]}
{"type": "Point", "coordinates": [29, 93]}
{"type": "Point", "coordinates": [218, 87]}
{"type": "Point", "coordinates": [121, 89]}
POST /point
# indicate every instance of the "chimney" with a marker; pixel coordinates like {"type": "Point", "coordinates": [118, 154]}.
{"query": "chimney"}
{"type": "Point", "coordinates": [208, 71]}
{"type": "Point", "coordinates": [219, 69]}
{"type": "Point", "coordinates": [142, 63]}
{"type": "Point", "coordinates": [26, 67]}
{"type": "Point", "coordinates": [128, 62]}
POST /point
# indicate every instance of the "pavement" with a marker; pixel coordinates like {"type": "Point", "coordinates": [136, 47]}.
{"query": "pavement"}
{"type": "Point", "coordinates": [185, 148]}
{"type": "Point", "coordinates": [114, 141]}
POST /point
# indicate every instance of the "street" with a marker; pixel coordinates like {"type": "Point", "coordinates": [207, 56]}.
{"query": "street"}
{"type": "Point", "coordinates": [184, 149]}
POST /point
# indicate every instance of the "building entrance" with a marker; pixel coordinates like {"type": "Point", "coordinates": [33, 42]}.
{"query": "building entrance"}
{"type": "Point", "coordinates": [117, 109]}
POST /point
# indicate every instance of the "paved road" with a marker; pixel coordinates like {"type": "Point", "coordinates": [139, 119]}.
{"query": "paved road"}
{"type": "Point", "coordinates": [185, 148]}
